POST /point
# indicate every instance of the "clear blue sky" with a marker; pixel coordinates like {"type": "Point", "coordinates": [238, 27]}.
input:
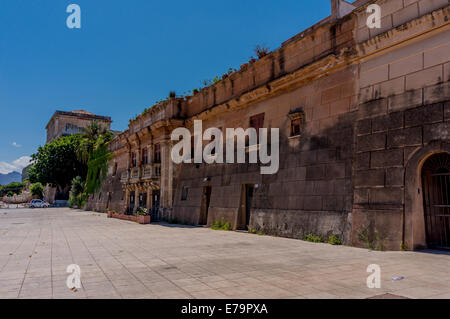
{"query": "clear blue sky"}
{"type": "Point", "coordinates": [127, 55]}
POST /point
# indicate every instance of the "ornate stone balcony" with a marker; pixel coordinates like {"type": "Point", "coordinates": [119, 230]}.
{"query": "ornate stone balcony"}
{"type": "Point", "coordinates": [125, 176]}
{"type": "Point", "coordinates": [151, 171]}
{"type": "Point", "coordinates": [144, 172]}
{"type": "Point", "coordinates": [135, 173]}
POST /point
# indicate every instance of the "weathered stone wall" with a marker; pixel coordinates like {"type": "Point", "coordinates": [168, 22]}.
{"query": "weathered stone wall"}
{"type": "Point", "coordinates": [394, 13]}
{"type": "Point", "coordinates": [372, 101]}
{"type": "Point", "coordinates": [57, 125]}
{"type": "Point", "coordinates": [401, 111]}
{"type": "Point", "coordinates": [312, 191]}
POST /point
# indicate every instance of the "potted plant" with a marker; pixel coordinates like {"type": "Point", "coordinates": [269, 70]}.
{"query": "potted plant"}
{"type": "Point", "coordinates": [142, 216]}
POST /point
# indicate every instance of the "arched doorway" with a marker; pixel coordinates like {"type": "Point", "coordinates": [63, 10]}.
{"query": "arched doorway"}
{"type": "Point", "coordinates": [436, 200]}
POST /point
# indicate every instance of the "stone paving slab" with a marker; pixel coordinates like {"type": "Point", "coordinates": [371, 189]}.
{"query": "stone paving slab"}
{"type": "Point", "coordinates": [121, 259]}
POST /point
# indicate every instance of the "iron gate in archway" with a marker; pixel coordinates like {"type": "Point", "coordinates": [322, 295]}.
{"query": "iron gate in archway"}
{"type": "Point", "coordinates": [436, 193]}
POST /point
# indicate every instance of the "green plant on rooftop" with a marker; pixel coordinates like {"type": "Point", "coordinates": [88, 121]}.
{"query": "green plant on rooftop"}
{"type": "Point", "coordinates": [261, 50]}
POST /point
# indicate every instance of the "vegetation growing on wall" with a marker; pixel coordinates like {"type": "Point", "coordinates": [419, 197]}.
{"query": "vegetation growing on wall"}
{"type": "Point", "coordinates": [221, 225]}
{"type": "Point", "coordinates": [371, 238]}
{"type": "Point", "coordinates": [94, 152]}
{"type": "Point", "coordinates": [97, 168]}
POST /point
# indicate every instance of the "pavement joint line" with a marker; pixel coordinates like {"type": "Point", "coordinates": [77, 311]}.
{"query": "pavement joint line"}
{"type": "Point", "coordinates": [156, 272]}
{"type": "Point", "coordinates": [93, 258]}
{"type": "Point", "coordinates": [29, 261]}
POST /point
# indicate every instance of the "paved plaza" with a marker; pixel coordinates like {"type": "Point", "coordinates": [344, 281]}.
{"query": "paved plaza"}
{"type": "Point", "coordinates": [121, 259]}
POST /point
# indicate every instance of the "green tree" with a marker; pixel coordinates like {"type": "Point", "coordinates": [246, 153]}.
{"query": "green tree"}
{"type": "Point", "coordinates": [37, 189]}
{"type": "Point", "coordinates": [93, 136]}
{"type": "Point", "coordinates": [57, 164]}
{"type": "Point", "coordinates": [77, 193]}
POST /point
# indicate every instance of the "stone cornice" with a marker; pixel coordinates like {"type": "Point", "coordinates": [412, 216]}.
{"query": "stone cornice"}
{"type": "Point", "coordinates": [429, 24]}
{"type": "Point", "coordinates": [315, 70]}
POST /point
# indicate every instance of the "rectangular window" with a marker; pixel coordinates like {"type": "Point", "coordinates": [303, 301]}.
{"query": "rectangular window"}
{"type": "Point", "coordinates": [257, 122]}
{"type": "Point", "coordinates": [144, 156]}
{"type": "Point", "coordinates": [296, 126]}
{"type": "Point", "coordinates": [157, 153]}
{"type": "Point", "coordinates": [184, 193]}
{"type": "Point", "coordinates": [133, 159]}
{"type": "Point", "coordinates": [115, 169]}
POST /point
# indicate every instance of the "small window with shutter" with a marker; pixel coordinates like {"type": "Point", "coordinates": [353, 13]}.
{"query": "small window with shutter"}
{"type": "Point", "coordinates": [157, 153]}
{"type": "Point", "coordinates": [296, 123]}
{"type": "Point", "coordinates": [144, 156]}
{"type": "Point", "coordinates": [257, 122]}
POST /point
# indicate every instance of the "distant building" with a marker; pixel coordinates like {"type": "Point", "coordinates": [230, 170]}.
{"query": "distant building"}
{"type": "Point", "coordinates": [68, 123]}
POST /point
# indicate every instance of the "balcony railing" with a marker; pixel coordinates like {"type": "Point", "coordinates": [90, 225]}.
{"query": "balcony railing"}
{"type": "Point", "coordinates": [151, 171]}
{"type": "Point", "coordinates": [135, 173]}
{"type": "Point", "coordinates": [125, 176]}
{"type": "Point", "coordinates": [148, 171]}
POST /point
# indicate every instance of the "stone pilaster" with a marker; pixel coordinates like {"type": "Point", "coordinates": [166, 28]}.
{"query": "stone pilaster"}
{"type": "Point", "coordinates": [149, 198]}
{"type": "Point", "coordinates": [166, 175]}
{"type": "Point", "coordinates": [136, 199]}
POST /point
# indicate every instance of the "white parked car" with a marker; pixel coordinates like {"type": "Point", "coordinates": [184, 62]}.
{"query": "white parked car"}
{"type": "Point", "coordinates": [37, 203]}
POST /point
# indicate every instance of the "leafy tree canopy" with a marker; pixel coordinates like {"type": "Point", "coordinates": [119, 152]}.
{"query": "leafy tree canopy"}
{"type": "Point", "coordinates": [94, 136]}
{"type": "Point", "coordinates": [37, 189]}
{"type": "Point", "coordinates": [57, 163]}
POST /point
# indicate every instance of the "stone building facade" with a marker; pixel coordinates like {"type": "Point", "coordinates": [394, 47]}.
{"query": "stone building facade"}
{"type": "Point", "coordinates": [363, 116]}
{"type": "Point", "coordinates": [64, 123]}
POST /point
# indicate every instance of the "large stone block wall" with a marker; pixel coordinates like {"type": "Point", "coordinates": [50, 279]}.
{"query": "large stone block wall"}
{"type": "Point", "coordinates": [404, 95]}
{"type": "Point", "coordinates": [394, 13]}
{"type": "Point", "coordinates": [312, 191]}
{"type": "Point", "coordinates": [365, 122]}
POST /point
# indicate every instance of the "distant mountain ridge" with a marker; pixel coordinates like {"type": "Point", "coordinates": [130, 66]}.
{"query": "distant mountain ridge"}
{"type": "Point", "coordinates": [5, 179]}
